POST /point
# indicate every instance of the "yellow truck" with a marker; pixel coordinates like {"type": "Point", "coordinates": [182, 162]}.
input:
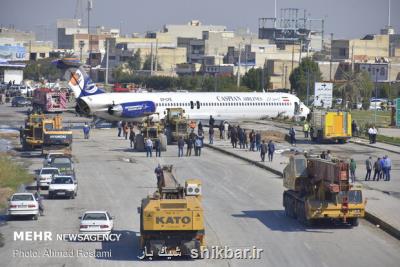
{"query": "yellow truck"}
{"type": "Point", "coordinates": [319, 189]}
{"type": "Point", "coordinates": [172, 220]}
{"type": "Point", "coordinates": [330, 125]}
{"type": "Point", "coordinates": [46, 133]}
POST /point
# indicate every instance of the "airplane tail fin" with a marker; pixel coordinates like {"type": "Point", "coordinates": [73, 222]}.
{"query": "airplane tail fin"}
{"type": "Point", "coordinates": [78, 80]}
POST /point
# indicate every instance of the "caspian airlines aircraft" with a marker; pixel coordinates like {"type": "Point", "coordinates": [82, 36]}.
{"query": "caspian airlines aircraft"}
{"type": "Point", "coordinates": [198, 106]}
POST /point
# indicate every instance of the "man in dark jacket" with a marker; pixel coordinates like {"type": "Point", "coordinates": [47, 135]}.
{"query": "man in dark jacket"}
{"type": "Point", "coordinates": [211, 135]}
{"type": "Point", "coordinates": [271, 150]}
{"type": "Point", "coordinates": [211, 122]}
{"type": "Point", "coordinates": [292, 135]}
{"type": "Point", "coordinates": [377, 169]}
{"type": "Point", "coordinates": [189, 146]}
{"type": "Point", "coordinates": [159, 175]}
{"type": "Point", "coordinates": [157, 147]}
{"type": "Point", "coordinates": [263, 150]}
{"type": "Point", "coordinates": [181, 144]}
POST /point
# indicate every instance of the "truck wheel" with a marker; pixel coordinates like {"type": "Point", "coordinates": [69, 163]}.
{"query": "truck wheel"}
{"type": "Point", "coordinates": [163, 142]}
{"type": "Point", "coordinates": [139, 143]}
{"type": "Point", "coordinates": [354, 222]}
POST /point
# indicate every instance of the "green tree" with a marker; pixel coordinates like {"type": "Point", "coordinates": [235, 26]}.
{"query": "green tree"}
{"type": "Point", "coordinates": [306, 73]}
{"type": "Point", "coordinates": [357, 87]}
{"type": "Point", "coordinates": [135, 62]}
{"type": "Point", "coordinates": [147, 63]}
{"type": "Point", "coordinates": [42, 69]}
{"type": "Point", "coordinates": [253, 79]}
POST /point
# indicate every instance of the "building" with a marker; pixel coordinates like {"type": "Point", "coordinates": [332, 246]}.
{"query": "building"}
{"type": "Point", "coordinates": [367, 48]}
{"type": "Point", "coordinates": [11, 72]}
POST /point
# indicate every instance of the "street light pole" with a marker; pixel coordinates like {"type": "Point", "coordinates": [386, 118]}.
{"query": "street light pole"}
{"type": "Point", "coordinates": [81, 45]}
{"type": "Point", "coordinates": [376, 93]}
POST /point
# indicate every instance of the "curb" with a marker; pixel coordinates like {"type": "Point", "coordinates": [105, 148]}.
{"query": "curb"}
{"type": "Point", "coordinates": [383, 225]}
{"type": "Point", "coordinates": [368, 216]}
{"type": "Point", "coordinates": [258, 164]}
{"type": "Point", "coordinates": [367, 145]}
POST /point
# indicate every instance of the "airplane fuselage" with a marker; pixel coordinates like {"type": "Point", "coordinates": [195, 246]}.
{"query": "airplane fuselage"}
{"type": "Point", "coordinates": [197, 106]}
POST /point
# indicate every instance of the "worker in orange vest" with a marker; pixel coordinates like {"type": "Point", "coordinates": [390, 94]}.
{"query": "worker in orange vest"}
{"type": "Point", "coordinates": [192, 124]}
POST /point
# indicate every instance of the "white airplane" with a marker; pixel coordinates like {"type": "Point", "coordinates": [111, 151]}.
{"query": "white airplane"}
{"type": "Point", "coordinates": [198, 106]}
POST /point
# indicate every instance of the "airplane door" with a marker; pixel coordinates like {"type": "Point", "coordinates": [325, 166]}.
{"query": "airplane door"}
{"type": "Point", "coordinates": [198, 104]}
{"type": "Point", "coordinates": [191, 105]}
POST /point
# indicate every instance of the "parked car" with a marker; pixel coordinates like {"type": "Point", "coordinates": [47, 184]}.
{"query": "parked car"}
{"type": "Point", "coordinates": [46, 175]}
{"type": "Point", "coordinates": [63, 186]}
{"type": "Point", "coordinates": [20, 101]}
{"type": "Point", "coordinates": [96, 222]}
{"type": "Point", "coordinates": [23, 204]}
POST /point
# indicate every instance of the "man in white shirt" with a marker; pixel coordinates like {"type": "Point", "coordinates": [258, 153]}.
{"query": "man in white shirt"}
{"type": "Point", "coordinates": [370, 133]}
{"type": "Point", "coordinates": [149, 147]}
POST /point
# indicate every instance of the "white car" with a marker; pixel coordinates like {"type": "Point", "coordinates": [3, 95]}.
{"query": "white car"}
{"type": "Point", "coordinates": [23, 204]}
{"type": "Point", "coordinates": [46, 175]}
{"type": "Point", "coordinates": [63, 186]}
{"type": "Point", "coordinates": [96, 222]}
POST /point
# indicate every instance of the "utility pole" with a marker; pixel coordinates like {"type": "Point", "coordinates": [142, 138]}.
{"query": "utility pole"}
{"type": "Point", "coordinates": [300, 50]}
{"type": "Point", "coordinates": [291, 89]}
{"type": "Point", "coordinates": [107, 51]}
{"type": "Point", "coordinates": [330, 59]}
{"type": "Point", "coordinates": [151, 60]}
{"type": "Point", "coordinates": [156, 58]}
{"type": "Point", "coordinates": [89, 8]}
{"type": "Point", "coordinates": [308, 84]}
{"type": "Point", "coordinates": [238, 71]}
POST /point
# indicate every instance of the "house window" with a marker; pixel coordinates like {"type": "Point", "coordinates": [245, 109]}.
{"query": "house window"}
{"type": "Point", "coordinates": [342, 52]}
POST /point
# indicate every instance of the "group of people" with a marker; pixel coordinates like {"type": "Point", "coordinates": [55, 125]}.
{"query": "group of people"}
{"type": "Point", "coordinates": [381, 166]}
{"type": "Point", "coordinates": [251, 141]}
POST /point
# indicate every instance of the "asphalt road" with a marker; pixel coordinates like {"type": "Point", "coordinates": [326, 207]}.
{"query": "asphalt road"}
{"type": "Point", "coordinates": [243, 208]}
{"type": "Point", "coordinates": [349, 150]}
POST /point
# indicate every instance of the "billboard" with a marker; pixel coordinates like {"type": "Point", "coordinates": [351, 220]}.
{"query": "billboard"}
{"type": "Point", "coordinates": [378, 72]}
{"type": "Point", "coordinates": [323, 95]}
{"type": "Point", "coordinates": [12, 52]}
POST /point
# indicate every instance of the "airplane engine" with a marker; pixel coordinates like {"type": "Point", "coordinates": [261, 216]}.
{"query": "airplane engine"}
{"type": "Point", "coordinates": [132, 109]}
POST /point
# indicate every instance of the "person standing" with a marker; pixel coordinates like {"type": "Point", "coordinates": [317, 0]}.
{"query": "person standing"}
{"type": "Point", "coordinates": [292, 135]}
{"type": "Point", "coordinates": [374, 134]}
{"type": "Point", "coordinates": [211, 122]}
{"type": "Point", "coordinates": [211, 135]}
{"type": "Point", "coordinates": [246, 143]}
{"type": "Point", "coordinates": [354, 128]}
{"type": "Point", "coordinates": [125, 129]}
{"type": "Point", "coordinates": [119, 125]}
{"type": "Point", "coordinates": [370, 134]}
{"type": "Point", "coordinates": [189, 146]}
{"type": "Point", "coordinates": [240, 137]}
{"type": "Point", "coordinates": [306, 129]}
{"type": "Point", "coordinates": [263, 150]}
{"type": "Point", "coordinates": [132, 137]}
{"type": "Point", "coordinates": [258, 141]}
{"type": "Point", "coordinates": [197, 146]}
{"type": "Point", "coordinates": [382, 163]}
{"type": "Point", "coordinates": [226, 130]}
{"type": "Point", "coordinates": [181, 144]}
{"type": "Point", "coordinates": [368, 166]}
{"type": "Point", "coordinates": [21, 134]}
{"type": "Point", "coordinates": [377, 169]}
{"type": "Point", "coordinates": [86, 130]}
{"type": "Point", "coordinates": [221, 130]}
{"type": "Point", "coordinates": [252, 140]}
{"type": "Point", "coordinates": [353, 167]}
{"type": "Point", "coordinates": [157, 147]}
{"type": "Point", "coordinates": [149, 148]}
{"type": "Point", "coordinates": [271, 150]}
{"type": "Point", "coordinates": [199, 128]}
{"type": "Point", "coordinates": [159, 175]}
{"type": "Point", "coordinates": [387, 167]}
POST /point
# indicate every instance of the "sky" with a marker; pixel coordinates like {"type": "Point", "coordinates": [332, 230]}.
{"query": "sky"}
{"type": "Point", "coordinates": [345, 18]}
